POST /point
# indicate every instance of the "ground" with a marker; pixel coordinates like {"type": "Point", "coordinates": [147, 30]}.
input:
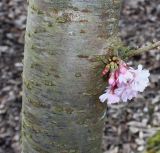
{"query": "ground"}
{"type": "Point", "coordinates": [128, 126]}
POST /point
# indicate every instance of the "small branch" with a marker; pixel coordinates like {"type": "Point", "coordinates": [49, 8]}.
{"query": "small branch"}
{"type": "Point", "coordinates": [143, 49]}
{"type": "Point", "coordinates": [103, 58]}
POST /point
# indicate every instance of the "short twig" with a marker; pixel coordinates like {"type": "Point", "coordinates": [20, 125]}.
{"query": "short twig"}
{"type": "Point", "coordinates": [143, 49]}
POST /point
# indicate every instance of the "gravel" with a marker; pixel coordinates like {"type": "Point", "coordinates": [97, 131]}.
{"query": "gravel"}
{"type": "Point", "coordinates": [129, 125]}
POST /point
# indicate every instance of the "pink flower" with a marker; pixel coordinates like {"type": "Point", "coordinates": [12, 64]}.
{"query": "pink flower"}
{"type": "Point", "coordinates": [121, 75]}
{"type": "Point", "coordinates": [111, 97]}
{"type": "Point", "coordinates": [125, 92]}
{"type": "Point", "coordinates": [140, 81]}
{"type": "Point", "coordinates": [124, 74]}
{"type": "Point", "coordinates": [125, 77]}
{"type": "Point", "coordinates": [125, 83]}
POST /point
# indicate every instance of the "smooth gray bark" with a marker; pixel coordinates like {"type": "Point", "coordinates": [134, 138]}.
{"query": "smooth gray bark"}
{"type": "Point", "coordinates": [61, 110]}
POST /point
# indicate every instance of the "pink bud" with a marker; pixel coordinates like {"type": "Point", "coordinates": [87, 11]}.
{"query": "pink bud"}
{"type": "Point", "coordinates": [111, 80]}
{"type": "Point", "coordinates": [105, 71]}
{"type": "Point", "coordinates": [116, 74]}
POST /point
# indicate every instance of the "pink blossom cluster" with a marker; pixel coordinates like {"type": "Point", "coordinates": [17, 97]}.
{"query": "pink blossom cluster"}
{"type": "Point", "coordinates": [125, 83]}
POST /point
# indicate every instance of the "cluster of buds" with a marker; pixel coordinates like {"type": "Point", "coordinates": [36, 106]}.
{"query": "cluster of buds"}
{"type": "Point", "coordinates": [124, 82]}
{"type": "Point", "coordinates": [113, 63]}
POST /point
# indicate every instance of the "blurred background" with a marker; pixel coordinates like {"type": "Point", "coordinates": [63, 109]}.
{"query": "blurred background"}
{"type": "Point", "coordinates": [129, 125]}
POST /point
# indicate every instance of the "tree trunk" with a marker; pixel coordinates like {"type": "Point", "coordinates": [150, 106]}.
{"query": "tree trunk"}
{"type": "Point", "coordinates": [61, 83]}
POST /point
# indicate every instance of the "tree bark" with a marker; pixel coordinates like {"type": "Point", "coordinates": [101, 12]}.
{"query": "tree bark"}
{"type": "Point", "coordinates": [61, 84]}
